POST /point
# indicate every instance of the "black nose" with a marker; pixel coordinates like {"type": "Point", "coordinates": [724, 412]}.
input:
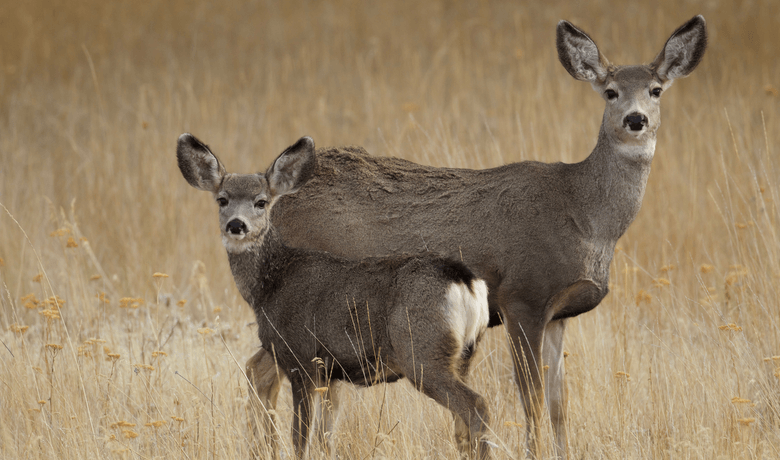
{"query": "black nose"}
{"type": "Point", "coordinates": [236, 227]}
{"type": "Point", "coordinates": [636, 121]}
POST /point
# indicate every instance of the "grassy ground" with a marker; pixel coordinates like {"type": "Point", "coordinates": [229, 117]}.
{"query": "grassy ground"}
{"type": "Point", "coordinates": [103, 359]}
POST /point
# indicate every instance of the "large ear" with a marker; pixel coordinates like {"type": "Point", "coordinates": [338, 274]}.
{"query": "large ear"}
{"type": "Point", "coordinates": [579, 54]}
{"type": "Point", "coordinates": [198, 165]}
{"type": "Point", "coordinates": [293, 168]}
{"type": "Point", "coordinates": [683, 51]}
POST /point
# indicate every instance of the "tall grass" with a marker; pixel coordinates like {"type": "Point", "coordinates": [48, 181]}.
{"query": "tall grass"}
{"type": "Point", "coordinates": [101, 359]}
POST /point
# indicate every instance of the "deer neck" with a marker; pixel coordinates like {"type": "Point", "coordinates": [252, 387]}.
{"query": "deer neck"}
{"type": "Point", "coordinates": [613, 179]}
{"type": "Point", "coordinates": [256, 269]}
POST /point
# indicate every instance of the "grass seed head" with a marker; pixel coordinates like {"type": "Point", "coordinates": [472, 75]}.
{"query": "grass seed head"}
{"type": "Point", "coordinates": [110, 355]}
{"type": "Point", "coordinates": [50, 314]}
{"type": "Point", "coordinates": [18, 329]}
{"type": "Point", "coordinates": [55, 302]}
{"type": "Point", "coordinates": [661, 282]}
{"type": "Point", "coordinates": [122, 424]}
{"type": "Point", "coordinates": [102, 297]}
{"type": "Point", "coordinates": [130, 302]}
{"type": "Point", "coordinates": [643, 297]}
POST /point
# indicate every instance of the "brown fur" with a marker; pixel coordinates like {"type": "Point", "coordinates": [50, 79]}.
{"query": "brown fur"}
{"type": "Point", "coordinates": [541, 235]}
{"type": "Point", "coordinates": [327, 317]}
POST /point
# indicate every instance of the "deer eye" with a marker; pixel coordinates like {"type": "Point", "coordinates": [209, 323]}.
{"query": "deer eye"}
{"type": "Point", "coordinates": [222, 202]}
{"type": "Point", "coordinates": [611, 94]}
{"type": "Point", "coordinates": [260, 204]}
{"type": "Point", "coordinates": [655, 92]}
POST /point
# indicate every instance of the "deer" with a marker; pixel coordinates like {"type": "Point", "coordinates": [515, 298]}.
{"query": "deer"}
{"type": "Point", "coordinates": [542, 235]}
{"type": "Point", "coordinates": [328, 318]}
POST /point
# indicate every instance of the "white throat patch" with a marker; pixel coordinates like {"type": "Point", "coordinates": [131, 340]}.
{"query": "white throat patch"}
{"type": "Point", "coordinates": [236, 244]}
{"type": "Point", "coordinates": [644, 151]}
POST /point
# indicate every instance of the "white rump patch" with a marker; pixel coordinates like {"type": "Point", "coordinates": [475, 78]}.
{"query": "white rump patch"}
{"type": "Point", "coordinates": [467, 313]}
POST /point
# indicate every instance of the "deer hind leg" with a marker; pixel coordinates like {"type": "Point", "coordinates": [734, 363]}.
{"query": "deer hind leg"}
{"type": "Point", "coordinates": [264, 382]}
{"type": "Point", "coordinates": [462, 430]}
{"type": "Point", "coordinates": [442, 381]}
{"type": "Point", "coordinates": [467, 406]}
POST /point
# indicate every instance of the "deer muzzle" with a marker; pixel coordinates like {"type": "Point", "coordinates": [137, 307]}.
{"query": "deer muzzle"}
{"type": "Point", "coordinates": [635, 121]}
{"type": "Point", "coordinates": [236, 227]}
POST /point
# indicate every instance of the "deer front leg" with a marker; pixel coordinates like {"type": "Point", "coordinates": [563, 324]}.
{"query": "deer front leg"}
{"type": "Point", "coordinates": [525, 341]}
{"type": "Point", "coordinates": [328, 412]}
{"type": "Point", "coordinates": [556, 391]}
{"type": "Point", "coordinates": [264, 381]}
{"type": "Point", "coordinates": [302, 405]}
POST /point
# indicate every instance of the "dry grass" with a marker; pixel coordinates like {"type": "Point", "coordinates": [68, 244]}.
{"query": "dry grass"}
{"type": "Point", "coordinates": [102, 360]}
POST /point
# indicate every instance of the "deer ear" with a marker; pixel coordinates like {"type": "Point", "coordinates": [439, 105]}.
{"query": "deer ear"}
{"type": "Point", "coordinates": [683, 51]}
{"type": "Point", "coordinates": [293, 168]}
{"type": "Point", "coordinates": [579, 54]}
{"type": "Point", "coordinates": [197, 164]}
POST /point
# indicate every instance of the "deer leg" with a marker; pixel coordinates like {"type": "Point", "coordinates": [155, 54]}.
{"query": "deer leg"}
{"type": "Point", "coordinates": [302, 402]}
{"type": "Point", "coordinates": [525, 340]}
{"type": "Point", "coordinates": [462, 433]}
{"type": "Point", "coordinates": [264, 381]}
{"type": "Point", "coordinates": [328, 412]}
{"type": "Point", "coordinates": [466, 405]}
{"type": "Point", "coordinates": [552, 355]}
{"type": "Point", "coordinates": [443, 383]}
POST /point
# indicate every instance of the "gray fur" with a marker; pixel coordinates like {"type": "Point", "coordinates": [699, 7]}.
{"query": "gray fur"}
{"type": "Point", "coordinates": [541, 235]}
{"type": "Point", "coordinates": [326, 317]}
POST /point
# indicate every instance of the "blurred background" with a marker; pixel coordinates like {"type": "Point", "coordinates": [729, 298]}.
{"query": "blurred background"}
{"type": "Point", "coordinates": [93, 95]}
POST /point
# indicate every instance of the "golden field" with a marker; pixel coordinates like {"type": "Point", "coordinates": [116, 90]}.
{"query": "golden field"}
{"type": "Point", "coordinates": [101, 358]}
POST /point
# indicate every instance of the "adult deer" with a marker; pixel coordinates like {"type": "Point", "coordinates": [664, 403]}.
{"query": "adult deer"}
{"type": "Point", "coordinates": [541, 235]}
